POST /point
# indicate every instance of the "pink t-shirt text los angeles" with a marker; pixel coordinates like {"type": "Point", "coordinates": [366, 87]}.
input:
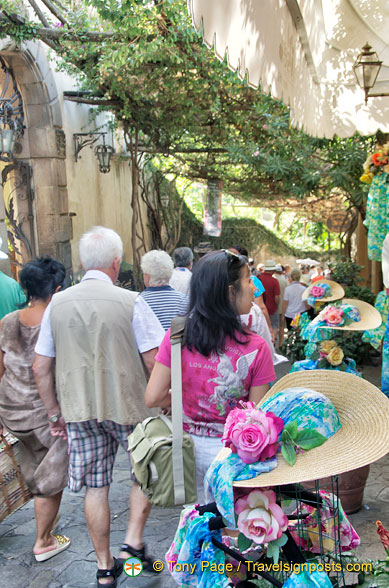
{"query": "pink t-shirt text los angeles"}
{"type": "Point", "coordinates": [212, 386]}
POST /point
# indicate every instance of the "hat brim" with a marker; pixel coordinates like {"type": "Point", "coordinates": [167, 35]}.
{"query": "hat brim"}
{"type": "Point", "coordinates": [363, 438]}
{"type": "Point", "coordinates": [206, 250]}
{"type": "Point", "coordinates": [370, 317]}
{"type": "Point", "coordinates": [337, 291]}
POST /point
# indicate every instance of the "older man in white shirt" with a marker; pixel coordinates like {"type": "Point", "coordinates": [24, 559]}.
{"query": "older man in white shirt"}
{"type": "Point", "coordinates": [99, 338]}
{"type": "Point", "coordinates": [183, 261]}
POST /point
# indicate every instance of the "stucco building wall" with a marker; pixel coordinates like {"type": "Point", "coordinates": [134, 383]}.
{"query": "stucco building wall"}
{"type": "Point", "coordinates": [68, 197]}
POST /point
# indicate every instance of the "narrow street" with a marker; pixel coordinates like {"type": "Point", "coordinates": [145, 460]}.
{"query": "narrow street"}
{"type": "Point", "coordinates": [76, 568]}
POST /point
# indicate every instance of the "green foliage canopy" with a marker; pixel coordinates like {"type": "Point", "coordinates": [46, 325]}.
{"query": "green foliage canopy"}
{"type": "Point", "coordinates": [145, 62]}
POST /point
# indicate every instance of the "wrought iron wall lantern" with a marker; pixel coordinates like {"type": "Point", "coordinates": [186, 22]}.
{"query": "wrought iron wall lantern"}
{"type": "Point", "coordinates": [102, 151]}
{"type": "Point", "coordinates": [366, 69]}
{"type": "Point", "coordinates": [11, 114]}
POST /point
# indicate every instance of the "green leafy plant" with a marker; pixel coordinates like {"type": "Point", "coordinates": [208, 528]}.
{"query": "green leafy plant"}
{"type": "Point", "coordinates": [346, 272]}
{"type": "Point", "coordinates": [294, 346]}
{"type": "Point", "coordinates": [360, 293]}
{"type": "Point", "coordinates": [174, 100]}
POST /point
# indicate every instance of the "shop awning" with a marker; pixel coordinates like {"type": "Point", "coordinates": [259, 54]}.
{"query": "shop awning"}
{"type": "Point", "coordinates": [302, 52]}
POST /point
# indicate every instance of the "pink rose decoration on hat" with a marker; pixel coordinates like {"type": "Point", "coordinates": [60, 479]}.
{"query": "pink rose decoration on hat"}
{"type": "Point", "coordinates": [334, 316]}
{"type": "Point", "coordinates": [252, 433]}
{"type": "Point", "coordinates": [259, 517]}
{"type": "Point", "coordinates": [317, 291]}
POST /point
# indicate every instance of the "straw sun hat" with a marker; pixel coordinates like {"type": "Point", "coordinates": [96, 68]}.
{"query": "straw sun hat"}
{"type": "Point", "coordinates": [336, 290]}
{"type": "Point", "coordinates": [203, 247]}
{"type": "Point", "coordinates": [370, 317]}
{"type": "Point", "coordinates": [363, 438]}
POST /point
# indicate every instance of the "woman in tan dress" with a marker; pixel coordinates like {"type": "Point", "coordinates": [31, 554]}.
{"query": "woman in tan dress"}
{"type": "Point", "coordinates": [44, 457]}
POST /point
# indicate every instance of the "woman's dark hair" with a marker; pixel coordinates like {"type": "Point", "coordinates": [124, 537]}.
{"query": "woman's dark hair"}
{"type": "Point", "coordinates": [242, 250]}
{"type": "Point", "coordinates": [212, 317]}
{"type": "Point", "coordinates": [41, 277]}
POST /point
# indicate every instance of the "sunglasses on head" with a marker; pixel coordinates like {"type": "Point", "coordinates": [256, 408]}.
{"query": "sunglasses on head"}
{"type": "Point", "coordinates": [233, 257]}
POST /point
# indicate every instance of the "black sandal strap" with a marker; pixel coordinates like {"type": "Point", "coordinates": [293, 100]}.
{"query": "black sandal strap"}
{"type": "Point", "coordinates": [139, 553]}
{"type": "Point", "coordinates": [147, 560]}
{"type": "Point", "coordinates": [114, 572]}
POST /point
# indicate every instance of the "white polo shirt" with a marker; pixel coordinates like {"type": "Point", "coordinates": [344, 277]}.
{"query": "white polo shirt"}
{"type": "Point", "coordinates": [293, 294]}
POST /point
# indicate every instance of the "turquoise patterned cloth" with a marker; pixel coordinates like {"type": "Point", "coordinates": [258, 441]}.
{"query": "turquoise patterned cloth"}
{"type": "Point", "coordinates": [375, 336]}
{"type": "Point", "coordinates": [377, 215]}
{"type": "Point", "coordinates": [310, 409]}
{"type": "Point", "coordinates": [309, 349]}
{"type": "Point", "coordinates": [308, 580]}
{"type": "Point", "coordinates": [193, 547]}
{"type": "Point", "coordinates": [314, 334]}
{"type": "Point", "coordinates": [310, 364]}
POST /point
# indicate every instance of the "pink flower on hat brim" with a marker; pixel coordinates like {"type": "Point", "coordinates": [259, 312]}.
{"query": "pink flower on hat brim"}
{"type": "Point", "coordinates": [259, 517]}
{"type": "Point", "coordinates": [256, 438]}
{"type": "Point", "coordinates": [317, 291]}
{"type": "Point", "coordinates": [235, 416]}
{"type": "Point", "coordinates": [334, 316]}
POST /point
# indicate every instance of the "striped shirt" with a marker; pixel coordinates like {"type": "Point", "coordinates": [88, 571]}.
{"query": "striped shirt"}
{"type": "Point", "coordinates": [166, 303]}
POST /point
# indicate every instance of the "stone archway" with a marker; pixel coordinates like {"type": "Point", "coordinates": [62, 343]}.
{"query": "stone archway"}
{"type": "Point", "coordinates": [43, 150]}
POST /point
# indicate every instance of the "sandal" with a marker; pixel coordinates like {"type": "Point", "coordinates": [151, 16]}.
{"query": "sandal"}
{"type": "Point", "coordinates": [114, 573]}
{"type": "Point", "coordinates": [147, 560]}
{"type": "Point", "coordinates": [63, 543]}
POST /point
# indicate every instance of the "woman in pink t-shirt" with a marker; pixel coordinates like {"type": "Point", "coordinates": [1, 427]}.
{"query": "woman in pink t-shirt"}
{"type": "Point", "coordinates": [222, 362]}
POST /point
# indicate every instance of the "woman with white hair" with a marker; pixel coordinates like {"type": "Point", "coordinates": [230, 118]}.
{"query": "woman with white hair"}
{"type": "Point", "coordinates": [167, 303]}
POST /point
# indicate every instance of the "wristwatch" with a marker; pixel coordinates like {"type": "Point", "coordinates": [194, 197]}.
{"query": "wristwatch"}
{"type": "Point", "coordinates": [55, 418]}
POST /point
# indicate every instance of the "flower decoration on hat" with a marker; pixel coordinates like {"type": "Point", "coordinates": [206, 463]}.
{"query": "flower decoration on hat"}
{"type": "Point", "coordinates": [330, 356]}
{"type": "Point", "coordinates": [251, 433]}
{"type": "Point", "coordinates": [318, 292]}
{"type": "Point", "coordinates": [331, 353]}
{"type": "Point", "coordinates": [338, 316]}
{"type": "Point", "coordinates": [256, 436]}
{"type": "Point", "coordinates": [375, 164]}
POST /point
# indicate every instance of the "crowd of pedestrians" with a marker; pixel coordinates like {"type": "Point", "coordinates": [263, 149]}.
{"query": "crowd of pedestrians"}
{"type": "Point", "coordinates": [80, 367]}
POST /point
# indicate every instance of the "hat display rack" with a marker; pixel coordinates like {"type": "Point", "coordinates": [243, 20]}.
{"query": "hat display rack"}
{"type": "Point", "coordinates": [307, 491]}
{"type": "Point", "coordinates": [335, 314]}
{"type": "Point", "coordinates": [297, 501]}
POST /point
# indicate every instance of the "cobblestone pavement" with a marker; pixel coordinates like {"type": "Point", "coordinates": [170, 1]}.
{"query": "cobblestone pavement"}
{"type": "Point", "coordinates": [76, 567]}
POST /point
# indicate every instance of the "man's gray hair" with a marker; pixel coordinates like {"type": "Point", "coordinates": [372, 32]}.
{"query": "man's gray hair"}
{"type": "Point", "coordinates": [99, 247]}
{"type": "Point", "coordinates": [183, 256]}
{"type": "Point", "coordinates": [295, 275]}
{"type": "Point", "coordinates": [158, 265]}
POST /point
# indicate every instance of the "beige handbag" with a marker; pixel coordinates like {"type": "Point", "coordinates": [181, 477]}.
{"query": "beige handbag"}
{"type": "Point", "coordinates": [14, 491]}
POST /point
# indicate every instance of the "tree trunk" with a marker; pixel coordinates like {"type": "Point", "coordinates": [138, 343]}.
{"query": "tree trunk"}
{"type": "Point", "coordinates": [132, 143]}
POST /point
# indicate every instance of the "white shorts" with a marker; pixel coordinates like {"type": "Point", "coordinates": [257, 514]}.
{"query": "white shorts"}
{"type": "Point", "coordinates": [206, 449]}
